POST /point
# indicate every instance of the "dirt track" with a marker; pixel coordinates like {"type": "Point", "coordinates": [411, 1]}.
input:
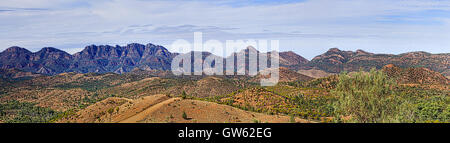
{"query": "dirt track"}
{"type": "Point", "coordinates": [142, 115]}
{"type": "Point", "coordinates": [163, 109]}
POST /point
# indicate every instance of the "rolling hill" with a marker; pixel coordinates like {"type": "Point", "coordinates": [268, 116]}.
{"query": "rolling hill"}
{"type": "Point", "coordinates": [415, 75]}
{"type": "Point", "coordinates": [163, 109]}
{"type": "Point", "coordinates": [336, 61]}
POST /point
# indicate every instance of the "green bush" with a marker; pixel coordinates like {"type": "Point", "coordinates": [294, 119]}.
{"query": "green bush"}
{"type": "Point", "coordinates": [25, 112]}
{"type": "Point", "coordinates": [312, 106]}
{"type": "Point", "coordinates": [434, 109]}
{"type": "Point", "coordinates": [184, 95]}
{"type": "Point", "coordinates": [292, 119]}
{"type": "Point", "coordinates": [367, 98]}
{"type": "Point", "coordinates": [184, 115]}
{"type": "Point", "coordinates": [110, 110]}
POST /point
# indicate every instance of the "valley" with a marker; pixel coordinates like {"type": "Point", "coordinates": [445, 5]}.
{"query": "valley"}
{"type": "Point", "coordinates": [405, 87]}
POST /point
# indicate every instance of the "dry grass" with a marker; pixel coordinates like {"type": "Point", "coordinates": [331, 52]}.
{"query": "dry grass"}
{"type": "Point", "coordinates": [315, 73]}
{"type": "Point", "coordinates": [161, 109]}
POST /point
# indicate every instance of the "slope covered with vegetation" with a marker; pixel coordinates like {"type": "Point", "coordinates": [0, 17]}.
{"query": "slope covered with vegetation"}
{"type": "Point", "coordinates": [365, 97]}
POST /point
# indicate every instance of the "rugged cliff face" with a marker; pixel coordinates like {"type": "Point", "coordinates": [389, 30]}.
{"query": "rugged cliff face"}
{"type": "Point", "coordinates": [47, 60]}
{"type": "Point", "coordinates": [121, 59]}
{"type": "Point", "coordinates": [93, 58]}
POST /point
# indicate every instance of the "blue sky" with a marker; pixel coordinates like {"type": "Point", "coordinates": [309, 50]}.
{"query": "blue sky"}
{"type": "Point", "coordinates": [307, 27]}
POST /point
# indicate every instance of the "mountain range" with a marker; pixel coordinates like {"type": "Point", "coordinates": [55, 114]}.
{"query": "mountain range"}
{"type": "Point", "coordinates": [336, 61]}
{"type": "Point", "coordinates": [122, 59]}
{"type": "Point", "coordinates": [99, 59]}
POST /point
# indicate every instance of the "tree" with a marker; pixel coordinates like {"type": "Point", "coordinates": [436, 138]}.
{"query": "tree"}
{"type": "Point", "coordinates": [292, 119]}
{"type": "Point", "coordinates": [366, 97]}
{"type": "Point", "coordinates": [184, 115]}
{"type": "Point", "coordinates": [184, 95]}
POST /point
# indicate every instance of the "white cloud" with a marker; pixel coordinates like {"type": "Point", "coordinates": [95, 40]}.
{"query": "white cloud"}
{"type": "Point", "coordinates": [308, 28]}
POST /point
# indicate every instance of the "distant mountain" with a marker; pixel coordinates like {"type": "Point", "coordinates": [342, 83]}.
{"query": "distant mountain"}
{"type": "Point", "coordinates": [291, 60]}
{"type": "Point", "coordinates": [15, 57]}
{"type": "Point", "coordinates": [287, 59]}
{"type": "Point", "coordinates": [46, 61]}
{"type": "Point", "coordinates": [336, 61]}
{"type": "Point", "coordinates": [122, 59]}
{"type": "Point", "coordinates": [15, 73]}
{"type": "Point", "coordinates": [100, 59]}
{"type": "Point", "coordinates": [118, 59]}
{"type": "Point", "coordinates": [105, 58]}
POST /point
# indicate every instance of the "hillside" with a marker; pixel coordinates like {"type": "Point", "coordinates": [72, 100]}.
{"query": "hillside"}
{"type": "Point", "coordinates": [336, 61]}
{"type": "Point", "coordinates": [140, 97]}
{"type": "Point", "coordinates": [150, 57]}
{"type": "Point", "coordinates": [415, 75]}
{"type": "Point", "coordinates": [315, 73]}
{"type": "Point", "coordinates": [204, 87]}
{"type": "Point", "coordinates": [15, 74]}
{"type": "Point", "coordinates": [163, 109]}
{"type": "Point", "coordinates": [285, 75]}
{"type": "Point", "coordinates": [292, 60]}
{"type": "Point", "coordinates": [258, 99]}
{"type": "Point", "coordinates": [130, 84]}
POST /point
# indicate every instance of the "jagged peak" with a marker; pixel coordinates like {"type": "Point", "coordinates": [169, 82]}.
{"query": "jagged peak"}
{"type": "Point", "coordinates": [17, 49]}
{"type": "Point", "coordinates": [293, 57]}
{"type": "Point", "coordinates": [51, 49]}
{"type": "Point", "coordinates": [362, 52]}
{"type": "Point", "coordinates": [155, 47]}
{"type": "Point", "coordinates": [100, 46]}
{"type": "Point", "coordinates": [290, 52]}
{"type": "Point", "coordinates": [152, 45]}
{"type": "Point", "coordinates": [135, 45]}
{"type": "Point", "coordinates": [335, 49]}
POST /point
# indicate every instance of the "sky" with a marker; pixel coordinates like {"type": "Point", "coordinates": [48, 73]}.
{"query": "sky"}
{"type": "Point", "coordinates": [307, 27]}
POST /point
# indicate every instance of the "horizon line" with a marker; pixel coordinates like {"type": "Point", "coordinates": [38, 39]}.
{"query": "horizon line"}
{"type": "Point", "coordinates": [174, 52]}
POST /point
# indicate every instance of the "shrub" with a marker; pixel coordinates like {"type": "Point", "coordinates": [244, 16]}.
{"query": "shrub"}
{"type": "Point", "coordinates": [309, 106]}
{"type": "Point", "coordinates": [435, 109]}
{"type": "Point", "coordinates": [184, 115]}
{"type": "Point", "coordinates": [366, 98]}
{"type": "Point", "coordinates": [25, 112]}
{"type": "Point", "coordinates": [110, 110]}
{"type": "Point", "coordinates": [292, 118]}
{"type": "Point", "coordinates": [184, 95]}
